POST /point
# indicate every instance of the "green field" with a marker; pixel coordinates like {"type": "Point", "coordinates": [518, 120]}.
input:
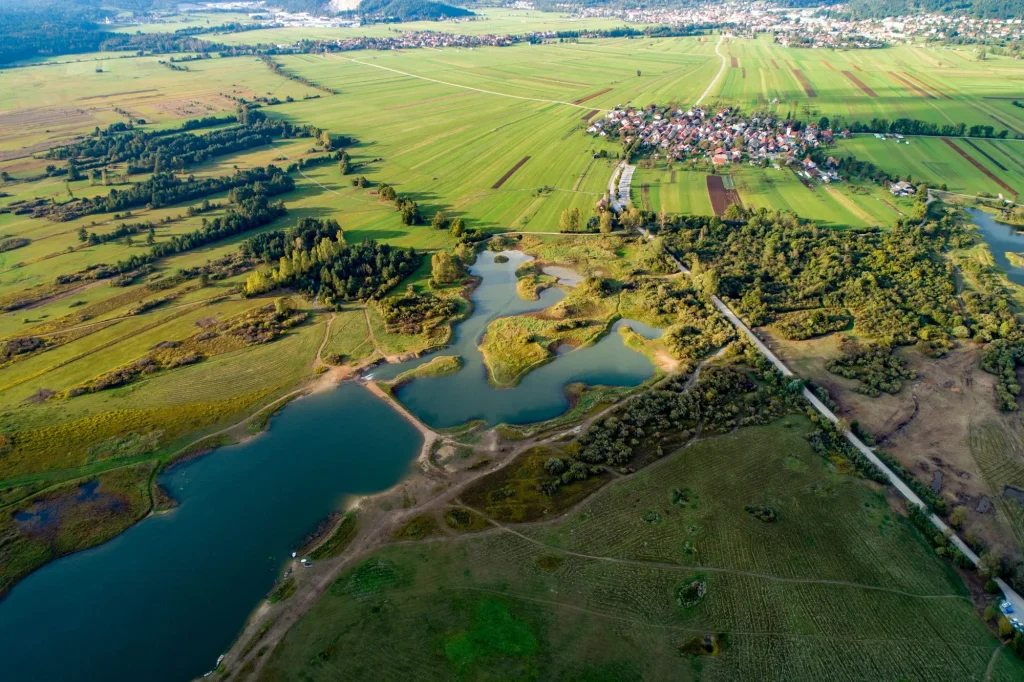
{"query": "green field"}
{"type": "Point", "coordinates": [838, 585]}
{"type": "Point", "coordinates": [931, 84]}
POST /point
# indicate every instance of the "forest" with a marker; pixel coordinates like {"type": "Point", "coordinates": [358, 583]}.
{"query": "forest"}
{"type": "Point", "coordinates": [313, 258]}
{"type": "Point", "coordinates": [897, 286]}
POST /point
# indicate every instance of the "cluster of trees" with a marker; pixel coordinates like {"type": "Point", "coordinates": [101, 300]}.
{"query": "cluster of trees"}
{"type": "Point", "coordinates": [895, 283]}
{"type": "Point", "coordinates": [165, 189]}
{"type": "Point", "coordinates": [409, 209]}
{"type": "Point", "coordinates": [659, 420]}
{"type": "Point", "coordinates": [805, 324]}
{"type": "Point", "coordinates": [279, 70]}
{"type": "Point", "coordinates": [910, 126]}
{"type": "Point", "coordinates": [156, 151]}
{"type": "Point", "coordinates": [1001, 358]}
{"type": "Point", "coordinates": [697, 328]}
{"type": "Point", "coordinates": [412, 312]}
{"type": "Point", "coordinates": [873, 364]}
{"type": "Point", "coordinates": [313, 258]}
{"type": "Point", "coordinates": [988, 9]}
{"type": "Point", "coordinates": [409, 10]}
{"type": "Point", "coordinates": [851, 167]}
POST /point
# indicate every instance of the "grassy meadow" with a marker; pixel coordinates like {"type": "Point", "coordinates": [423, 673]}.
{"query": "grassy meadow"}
{"type": "Point", "coordinates": [663, 575]}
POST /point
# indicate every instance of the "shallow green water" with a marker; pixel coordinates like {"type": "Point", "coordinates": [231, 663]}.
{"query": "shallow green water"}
{"type": "Point", "coordinates": [163, 600]}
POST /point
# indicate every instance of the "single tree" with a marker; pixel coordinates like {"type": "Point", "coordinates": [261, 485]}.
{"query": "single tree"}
{"type": "Point", "coordinates": [443, 268]}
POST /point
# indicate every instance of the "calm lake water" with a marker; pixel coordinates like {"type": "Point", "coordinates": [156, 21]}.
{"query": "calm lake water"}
{"type": "Point", "coordinates": [1000, 238]}
{"type": "Point", "coordinates": [454, 399]}
{"type": "Point", "coordinates": [163, 600]}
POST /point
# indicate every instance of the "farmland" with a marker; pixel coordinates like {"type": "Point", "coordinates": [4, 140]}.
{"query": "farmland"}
{"type": "Point", "coordinates": [106, 381]}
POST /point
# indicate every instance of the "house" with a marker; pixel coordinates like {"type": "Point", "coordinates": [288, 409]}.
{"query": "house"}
{"type": "Point", "coordinates": [902, 188]}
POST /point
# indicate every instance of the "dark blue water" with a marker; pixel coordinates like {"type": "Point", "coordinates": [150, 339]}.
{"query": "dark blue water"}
{"type": "Point", "coordinates": [163, 600]}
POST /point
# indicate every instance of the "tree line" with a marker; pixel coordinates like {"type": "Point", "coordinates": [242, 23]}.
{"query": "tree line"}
{"type": "Point", "coordinates": [165, 189]}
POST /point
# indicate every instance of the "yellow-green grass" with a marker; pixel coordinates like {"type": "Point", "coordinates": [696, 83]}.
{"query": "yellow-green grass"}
{"type": "Point", "coordinates": [55, 102]}
{"type": "Point", "coordinates": [844, 204]}
{"type": "Point", "coordinates": [676, 191]}
{"type": "Point", "coordinates": [121, 498]}
{"type": "Point", "coordinates": [437, 367]}
{"type": "Point", "coordinates": [349, 337]}
{"type": "Point", "coordinates": [172, 406]}
{"type": "Point", "coordinates": [838, 577]}
{"type": "Point", "coordinates": [510, 349]}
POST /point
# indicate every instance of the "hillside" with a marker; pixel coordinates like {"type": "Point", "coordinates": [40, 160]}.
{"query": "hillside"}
{"type": "Point", "coordinates": [411, 10]}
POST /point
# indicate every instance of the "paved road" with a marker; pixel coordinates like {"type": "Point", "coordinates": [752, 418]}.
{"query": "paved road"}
{"type": "Point", "coordinates": [620, 199]}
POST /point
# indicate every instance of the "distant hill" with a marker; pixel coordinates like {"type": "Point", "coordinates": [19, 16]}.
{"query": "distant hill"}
{"type": "Point", "coordinates": [411, 10]}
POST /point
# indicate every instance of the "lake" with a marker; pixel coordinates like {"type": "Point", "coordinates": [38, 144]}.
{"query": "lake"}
{"type": "Point", "coordinates": [163, 600]}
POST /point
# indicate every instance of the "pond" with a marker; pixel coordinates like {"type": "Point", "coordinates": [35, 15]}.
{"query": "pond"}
{"type": "Point", "coordinates": [1000, 238]}
{"type": "Point", "coordinates": [454, 399]}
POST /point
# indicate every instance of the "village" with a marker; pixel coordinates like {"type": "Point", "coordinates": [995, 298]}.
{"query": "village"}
{"type": "Point", "coordinates": [720, 138]}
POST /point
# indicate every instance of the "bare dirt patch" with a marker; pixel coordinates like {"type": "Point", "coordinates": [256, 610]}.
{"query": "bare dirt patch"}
{"type": "Point", "coordinates": [115, 94]}
{"type": "Point", "coordinates": [804, 83]}
{"type": "Point", "coordinates": [914, 87]}
{"type": "Point", "coordinates": [581, 100]}
{"type": "Point", "coordinates": [989, 174]}
{"type": "Point", "coordinates": [590, 114]}
{"type": "Point", "coordinates": [860, 84]}
{"type": "Point", "coordinates": [735, 62]}
{"type": "Point", "coordinates": [501, 181]}
{"type": "Point", "coordinates": [927, 426]}
{"type": "Point", "coordinates": [981, 151]}
{"type": "Point", "coordinates": [720, 196]}
{"type": "Point", "coordinates": [932, 88]}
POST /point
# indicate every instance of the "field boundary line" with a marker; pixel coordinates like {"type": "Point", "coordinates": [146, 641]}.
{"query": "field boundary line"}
{"type": "Point", "coordinates": [714, 569]}
{"type": "Point", "coordinates": [469, 87]}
